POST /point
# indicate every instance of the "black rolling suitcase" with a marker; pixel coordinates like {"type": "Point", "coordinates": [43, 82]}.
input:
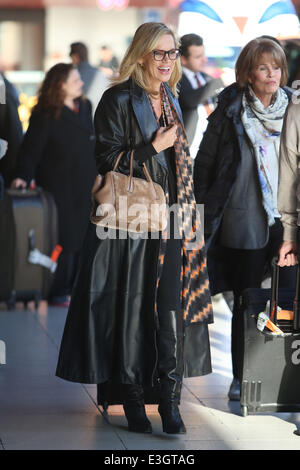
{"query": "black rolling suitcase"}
{"type": "Point", "coordinates": [36, 235]}
{"type": "Point", "coordinates": [271, 362]}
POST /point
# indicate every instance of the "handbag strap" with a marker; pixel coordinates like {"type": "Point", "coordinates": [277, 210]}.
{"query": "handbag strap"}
{"type": "Point", "coordinates": [146, 172]}
{"type": "Point", "coordinates": [118, 160]}
{"type": "Point", "coordinates": [130, 163]}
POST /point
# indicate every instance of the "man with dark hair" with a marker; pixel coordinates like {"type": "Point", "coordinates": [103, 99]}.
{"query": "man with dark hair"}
{"type": "Point", "coordinates": [95, 82]}
{"type": "Point", "coordinates": [198, 90]}
{"type": "Point", "coordinates": [78, 52]}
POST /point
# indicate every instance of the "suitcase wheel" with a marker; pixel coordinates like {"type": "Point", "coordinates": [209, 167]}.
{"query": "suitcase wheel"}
{"type": "Point", "coordinates": [244, 410]}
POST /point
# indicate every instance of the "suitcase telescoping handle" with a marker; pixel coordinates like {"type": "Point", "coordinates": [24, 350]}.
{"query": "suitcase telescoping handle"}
{"type": "Point", "coordinates": [274, 295]}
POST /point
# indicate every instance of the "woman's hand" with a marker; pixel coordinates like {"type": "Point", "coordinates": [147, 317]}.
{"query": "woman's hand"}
{"type": "Point", "coordinates": [288, 254]}
{"type": "Point", "coordinates": [164, 138]}
{"type": "Point", "coordinates": [18, 183]}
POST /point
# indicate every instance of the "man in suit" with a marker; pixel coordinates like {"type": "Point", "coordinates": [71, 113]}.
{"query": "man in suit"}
{"type": "Point", "coordinates": [197, 91]}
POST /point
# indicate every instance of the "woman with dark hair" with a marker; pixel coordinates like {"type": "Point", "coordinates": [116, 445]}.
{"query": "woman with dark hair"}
{"type": "Point", "coordinates": [140, 305]}
{"type": "Point", "coordinates": [58, 153]}
{"type": "Point", "coordinates": [236, 178]}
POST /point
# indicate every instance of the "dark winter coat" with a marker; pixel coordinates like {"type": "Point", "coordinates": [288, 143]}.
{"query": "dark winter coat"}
{"type": "Point", "coordinates": [190, 98]}
{"type": "Point", "coordinates": [110, 328]}
{"type": "Point", "coordinates": [59, 155]}
{"type": "Point", "coordinates": [10, 130]}
{"type": "Point", "coordinates": [215, 171]}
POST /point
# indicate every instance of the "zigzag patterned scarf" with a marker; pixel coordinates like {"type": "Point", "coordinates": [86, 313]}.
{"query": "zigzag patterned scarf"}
{"type": "Point", "coordinates": [195, 293]}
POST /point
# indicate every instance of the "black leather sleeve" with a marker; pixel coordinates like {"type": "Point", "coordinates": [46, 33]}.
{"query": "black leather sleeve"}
{"type": "Point", "coordinates": [142, 154]}
{"type": "Point", "coordinates": [113, 127]}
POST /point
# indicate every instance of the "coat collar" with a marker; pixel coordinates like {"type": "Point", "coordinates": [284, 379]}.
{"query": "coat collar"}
{"type": "Point", "coordinates": [142, 110]}
{"type": "Point", "coordinates": [140, 100]}
{"type": "Point", "coordinates": [231, 99]}
{"type": "Point", "coordinates": [144, 114]}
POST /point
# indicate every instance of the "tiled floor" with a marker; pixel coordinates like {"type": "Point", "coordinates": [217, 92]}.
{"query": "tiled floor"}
{"type": "Point", "coordinates": [41, 411]}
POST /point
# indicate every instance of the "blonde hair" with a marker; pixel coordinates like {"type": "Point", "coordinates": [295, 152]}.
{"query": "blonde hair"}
{"type": "Point", "coordinates": [144, 42]}
{"type": "Point", "coordinates": [250, 56]}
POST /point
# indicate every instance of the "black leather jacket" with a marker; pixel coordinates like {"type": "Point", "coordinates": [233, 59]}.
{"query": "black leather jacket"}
{"type": "Point", "coordinates": [106, 338]}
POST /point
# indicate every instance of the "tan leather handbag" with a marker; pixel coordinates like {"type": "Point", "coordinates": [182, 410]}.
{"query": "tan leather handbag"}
{"type": "Point", "coordinates": [128, 203]}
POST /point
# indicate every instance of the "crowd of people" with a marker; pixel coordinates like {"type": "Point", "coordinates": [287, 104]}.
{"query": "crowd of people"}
{"type": "Point", "coordinates": [140, 307]}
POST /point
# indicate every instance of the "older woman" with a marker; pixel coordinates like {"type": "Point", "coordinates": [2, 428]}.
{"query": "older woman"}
{"type": "Point", "coordinates": [135, 299]}
{"type": "Point", "coordinates": [236, 177]}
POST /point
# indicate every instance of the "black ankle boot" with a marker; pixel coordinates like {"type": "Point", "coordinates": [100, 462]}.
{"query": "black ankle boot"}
{"type": "Point", "coordinates": [168, 409]}
{"type": "Point", "coordinates": [170, 365]}
{"type": "Point", "coordinates": [134, 409]}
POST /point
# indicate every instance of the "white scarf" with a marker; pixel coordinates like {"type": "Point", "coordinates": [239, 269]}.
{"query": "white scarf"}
{"type": "Point", "coordinates": [263, 127]}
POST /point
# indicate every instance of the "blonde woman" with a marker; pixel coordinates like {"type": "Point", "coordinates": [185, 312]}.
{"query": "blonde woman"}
{"type": "Point", "coordinates": [135, 300]}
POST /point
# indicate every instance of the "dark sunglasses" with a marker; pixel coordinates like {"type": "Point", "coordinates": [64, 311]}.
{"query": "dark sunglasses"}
{"type": "Point", "coordinates": [173, 54]}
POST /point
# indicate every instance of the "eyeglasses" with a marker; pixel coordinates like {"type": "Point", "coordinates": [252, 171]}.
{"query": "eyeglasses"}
{"type": "Point", "coordinates": [173, 54]}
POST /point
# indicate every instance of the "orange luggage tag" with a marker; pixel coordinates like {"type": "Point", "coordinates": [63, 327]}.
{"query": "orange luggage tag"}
{"type": "Point", "coordinates": [263, 321]}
